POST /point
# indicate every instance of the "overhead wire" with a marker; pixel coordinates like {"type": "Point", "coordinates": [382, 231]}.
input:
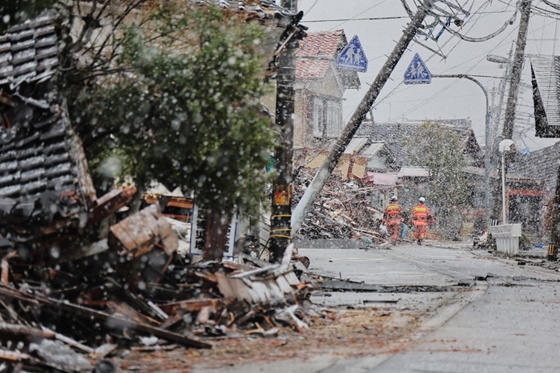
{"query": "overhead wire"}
{"type": "Point", "coordinates": [471, 27]}
{"type": "Point", "coordinates": [550, 4]}
{"type": "Point", "coordinates": [451, 84]}
{"type": "Point", "coordinates": [484, 38]}
{"type": "Point", "coordinates": [431, 98]}
{"type": "Point", "coordinates": [392, 92]}
{"type": "Point", "coordinates": [359, 14]}
{"type": "Point", "coordinates": [311, 7]}
{"type": "Point", "coordinates": [357, 19]}
{"type": "Point", "coordinates": [488, 37]}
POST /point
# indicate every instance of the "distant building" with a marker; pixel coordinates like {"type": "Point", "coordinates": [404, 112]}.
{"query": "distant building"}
{"type": "Point", "coordinates": [319, 89]}
{"type": "Point", "coordinates": [525, 191]}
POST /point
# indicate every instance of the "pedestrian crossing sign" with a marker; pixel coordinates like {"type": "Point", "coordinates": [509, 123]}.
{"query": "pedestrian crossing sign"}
{"type": "Point", "coordinates": [417, 72]}
{"type": "Point", "coordinates": [353, 57]}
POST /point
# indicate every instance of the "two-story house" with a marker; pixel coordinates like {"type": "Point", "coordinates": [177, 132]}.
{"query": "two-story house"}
{"type": "Point", "coordinates": [319, 89]}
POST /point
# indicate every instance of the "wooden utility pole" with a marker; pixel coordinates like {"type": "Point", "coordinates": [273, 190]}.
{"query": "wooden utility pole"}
{"type": "Point", "coordinates": [280, 227]}
{"type": "Point", "coordinates": [359, 115]}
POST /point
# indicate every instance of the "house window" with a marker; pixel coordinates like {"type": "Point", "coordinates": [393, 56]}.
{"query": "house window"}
{"type": "Point", "coordinates": [333, 119]}
{"type": "Point", "coordinates": [327, 117]}
{"type": "Point", "coordinates": [318, 118]}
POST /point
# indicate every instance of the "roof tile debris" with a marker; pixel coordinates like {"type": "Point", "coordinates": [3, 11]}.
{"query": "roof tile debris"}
{"type": "Point", "coordinates": [61, 257]}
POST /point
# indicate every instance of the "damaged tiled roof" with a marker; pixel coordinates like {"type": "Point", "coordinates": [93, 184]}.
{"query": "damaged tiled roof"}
{"type": "Point", "coordinates": [43, 173]}
{"type": "Point", "coordinates": [262, 8]}
{"type": "Point", "coordinates": [318, 52]}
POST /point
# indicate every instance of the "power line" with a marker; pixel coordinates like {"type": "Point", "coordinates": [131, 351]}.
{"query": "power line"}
{"type": "Point", "coordinates": [356, 19]}
{"type": "Point", "coordinates": [359, 14]}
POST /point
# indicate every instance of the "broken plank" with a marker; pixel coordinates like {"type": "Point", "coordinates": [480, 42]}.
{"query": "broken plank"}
{"type": "Point", "coordinates": [28, 333]}
{"type": "Point", "coordinates": [69, 341]}
{"type": "Point", "coordinates": [189, 305]}
{"type": "Point", "coordinates": [115, 322]}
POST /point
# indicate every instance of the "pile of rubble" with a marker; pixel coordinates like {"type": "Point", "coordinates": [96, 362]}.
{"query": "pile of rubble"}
{"type": "Point", "coordinates": [126, 296]}
{"type": "Point", "coordinates": [342, 210]}
{"type": "Point", "coordinates": [74, 277]}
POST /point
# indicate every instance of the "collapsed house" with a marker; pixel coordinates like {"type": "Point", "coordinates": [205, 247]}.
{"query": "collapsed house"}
{"type": "Point", "coordinates": [65, 259]}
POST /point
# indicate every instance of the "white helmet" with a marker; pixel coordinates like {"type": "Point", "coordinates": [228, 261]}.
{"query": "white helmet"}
{"type": "Point", "coordinates": [421, 199]}
{"type": "Point", "coordinates": [393, 198]}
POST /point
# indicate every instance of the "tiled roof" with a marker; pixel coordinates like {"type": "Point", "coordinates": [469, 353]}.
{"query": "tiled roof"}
{"type": "Point", "coordinates": [542, 163]}
{"type": "Point", "coordinates": [547, 72]}
{"type": "Point", "coordinates": [42, 166]}
{"type": "Point", "coordinates": [317, 52]}
{"type": "Point", "coordinates": [393, 134]}
{"type": "Point", "coordinates": [266, 9]}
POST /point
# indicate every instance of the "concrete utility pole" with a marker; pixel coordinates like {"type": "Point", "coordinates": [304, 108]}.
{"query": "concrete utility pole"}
{"type": "Point", "coordinates": [280, 231]}
{"type": "Point", "coordinates": [306, 202]}
{"type": "Point", "coordinates": [517, 69]}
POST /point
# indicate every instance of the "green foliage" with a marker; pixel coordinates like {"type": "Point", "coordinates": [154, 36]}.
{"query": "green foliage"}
{"type": "Point", "coordinates": [439, 149]}
{"type": "Point", "coordinates": [180, 104]}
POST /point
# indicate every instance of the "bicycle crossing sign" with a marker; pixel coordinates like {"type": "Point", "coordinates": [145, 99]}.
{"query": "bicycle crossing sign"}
{"type": "Point", "coordinates": [417, 72]}
{"type": "Point", "coordinates": [353, 57]}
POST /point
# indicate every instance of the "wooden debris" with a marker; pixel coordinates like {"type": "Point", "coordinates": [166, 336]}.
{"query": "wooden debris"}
{"type": "Point", "coordinates": [339, 212]}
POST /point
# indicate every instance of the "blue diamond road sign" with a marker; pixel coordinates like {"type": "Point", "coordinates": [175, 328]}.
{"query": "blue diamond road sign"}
{"type": "Point", "coordinates": [353, 57]}
{"type": "Point", "coordinates": [417, 72]}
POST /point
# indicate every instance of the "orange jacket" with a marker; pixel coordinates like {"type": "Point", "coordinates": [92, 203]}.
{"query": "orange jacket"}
{"type": "Point", "coordinates": [393, 211]}
{"type": "Point", "coordinates": [421, 214]}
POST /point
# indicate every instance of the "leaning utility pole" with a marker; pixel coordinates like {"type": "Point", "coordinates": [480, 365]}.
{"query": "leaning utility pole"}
{"type": "Point", "coordinates": [337, 149]}
{"type": "Point", "coordinates": [280, 231]}
{"type": "Point", "coordinates": [517, 69]}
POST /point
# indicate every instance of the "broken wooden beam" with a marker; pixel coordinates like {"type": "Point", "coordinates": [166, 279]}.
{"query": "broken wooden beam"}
{"type": "Point", "coordinates": [115, 322]}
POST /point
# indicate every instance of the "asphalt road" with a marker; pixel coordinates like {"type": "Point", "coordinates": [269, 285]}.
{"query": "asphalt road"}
{"type": "Point", "coordinates": [509, 323]}
{"type": "Point", "coordinates": [505, 318]}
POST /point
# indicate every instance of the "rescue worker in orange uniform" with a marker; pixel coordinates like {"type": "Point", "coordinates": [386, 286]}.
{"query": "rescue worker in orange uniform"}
{"type": "Point", "coordinates": [421, 216]}
{"type": "Point", "coordinates": [393, 218]}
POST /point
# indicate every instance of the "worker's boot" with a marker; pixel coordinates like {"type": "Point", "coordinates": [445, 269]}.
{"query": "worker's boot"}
{"type": "Point", "coordinates": [419, 242]}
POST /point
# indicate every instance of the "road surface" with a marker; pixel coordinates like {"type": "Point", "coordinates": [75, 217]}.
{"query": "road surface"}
{"type": "Point", "coordinates": [504, 320]}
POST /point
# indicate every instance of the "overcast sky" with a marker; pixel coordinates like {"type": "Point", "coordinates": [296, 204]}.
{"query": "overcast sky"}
{"type": "Point", "coordinates": [443, 98]}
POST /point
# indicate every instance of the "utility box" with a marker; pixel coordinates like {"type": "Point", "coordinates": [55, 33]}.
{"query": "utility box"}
{"type": "Point", "coordinates": [507, 237]}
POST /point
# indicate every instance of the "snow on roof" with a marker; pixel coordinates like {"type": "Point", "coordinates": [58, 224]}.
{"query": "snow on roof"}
{"type": "Point", "coordinates": [413, 171]}
{"type": "Point", "coordinates": [356, 144]}
{"type": "Point", "coordinates": [373, 149]}
{"type": "Point", "coordinates": [381, 178]}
